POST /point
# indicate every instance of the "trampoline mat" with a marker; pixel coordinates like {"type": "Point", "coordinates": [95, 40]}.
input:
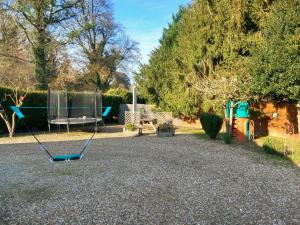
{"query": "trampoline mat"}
{"type": "Point", "coordinates": [74, 120]}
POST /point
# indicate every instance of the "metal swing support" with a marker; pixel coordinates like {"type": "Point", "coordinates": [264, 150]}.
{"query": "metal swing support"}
{"type": "Point", "coordinates": [44, 148]}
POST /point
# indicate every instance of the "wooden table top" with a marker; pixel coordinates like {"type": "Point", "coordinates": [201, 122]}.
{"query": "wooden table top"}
{"type": "Point", "coordinates": [147, 120]}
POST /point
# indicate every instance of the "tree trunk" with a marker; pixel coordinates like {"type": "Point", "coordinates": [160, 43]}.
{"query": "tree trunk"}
{"type": "Point", "coordinates": [40, 56]}
{"type": "Point", "coordinates": [94, 75]}
{"type": "Point", "coordinates": [225, 126]}
{"type": "Point", "coordinates": [231, 117]}
{"type": "Point", "coordinates": [7, 123]}
{"type": "Point", "coordinates": [13, 125]}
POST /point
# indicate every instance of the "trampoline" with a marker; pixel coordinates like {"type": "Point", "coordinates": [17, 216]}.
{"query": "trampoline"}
{"type": "Point", "coordinates": [72, 121]}
{"type": "Point", "coordinates": [72, 108]}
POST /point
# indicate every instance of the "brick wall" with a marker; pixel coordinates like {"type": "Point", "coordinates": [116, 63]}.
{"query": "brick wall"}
{"type": "Point", "coordinates": [270, 118]}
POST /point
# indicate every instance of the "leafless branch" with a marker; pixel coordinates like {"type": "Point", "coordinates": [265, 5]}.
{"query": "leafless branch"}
{"type": "Point", "coordinates": [15, 57]}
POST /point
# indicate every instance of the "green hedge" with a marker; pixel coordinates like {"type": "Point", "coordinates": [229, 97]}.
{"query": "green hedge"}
{"type": "Point", "coordinates": [211, 124]}
{"type": "Point", "coordinates": [37, 118]}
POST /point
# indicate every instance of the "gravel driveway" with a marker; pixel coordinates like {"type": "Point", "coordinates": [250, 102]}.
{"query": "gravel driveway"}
{"type": "Point", "coordinates": [148, 180]}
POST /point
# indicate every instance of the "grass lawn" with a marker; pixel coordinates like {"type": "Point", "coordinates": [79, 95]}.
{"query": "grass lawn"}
{"type": "Point", "coordinates": [294, 155]}
{"type": "Point", "coordinates": [257, 145]}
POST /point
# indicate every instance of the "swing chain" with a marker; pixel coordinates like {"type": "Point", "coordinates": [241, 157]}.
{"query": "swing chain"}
{"type": "Point", "coordinates": [1, 108]}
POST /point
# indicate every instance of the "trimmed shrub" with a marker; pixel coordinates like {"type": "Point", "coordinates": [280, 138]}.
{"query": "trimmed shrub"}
{"type": "Point", "coordinates": [227, 139]}
{"type": "Point", "coordinates": [274, 147]}
{"type": "Point", "coordinates": [121, 92]}
{"type": "Point", "coordinates": [211, 123]}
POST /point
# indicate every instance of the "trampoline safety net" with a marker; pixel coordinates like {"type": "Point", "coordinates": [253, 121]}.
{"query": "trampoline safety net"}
{"type": "Point", "coordinates": [74, 107]}
{"type": "Point", "coordinates": [57, 105]}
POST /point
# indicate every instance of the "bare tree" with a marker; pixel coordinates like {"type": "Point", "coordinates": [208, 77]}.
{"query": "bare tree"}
{"type": "Point", "coordinates": [16, 68]}
{"type": "Point", "coordinates": [121, 80]}
{"type": "Point", "coordinates": [103, 42]}
{"type": "Point", "coordinates": [38, 19]}
{"type": "Point", "coordinates": [19, 83]}
{"type": "Point", "coordinates": [67, 77]}
{"type": "Point", "coordinates": [16, 96]}
{"type": "Point", "coordinates": [217, 90]}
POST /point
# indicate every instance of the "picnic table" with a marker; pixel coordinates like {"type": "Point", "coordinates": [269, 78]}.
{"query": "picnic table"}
{"type": "Point", "coordinates": [149, 121]}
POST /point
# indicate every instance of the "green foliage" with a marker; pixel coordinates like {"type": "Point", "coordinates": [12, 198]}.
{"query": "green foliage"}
{"type": "Point", "coordinates": [275, 64]}
{"type": "Point", "coordinates": [227, 138]}
{"type": "Point", "coordinates": [164, 127]}
{"type": "Point", "coordinates": [291, 147]}
{"type": "Point", "coordinates": [125, 94]}
{"type": "Point", "coordinates": [160, 81]}
{"type": "Point", "coordinates": [130, 127]}
{"type": "Point", "coordinates": [114, 102]}
{"type": "Point", "coordinates": [211, 124]}
{"type": "Point", "coordinates": [215, 50]}
{"type": "Point", "coordinates": [211, 106]}
{"type": "Point", "coordinates": [274, 147]}
{"type": "Point", "coordinates": [208, 39]}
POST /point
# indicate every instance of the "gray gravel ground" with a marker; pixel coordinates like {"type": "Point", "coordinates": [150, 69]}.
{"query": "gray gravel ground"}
{"type": "Point", "coordinates": [148, 180]}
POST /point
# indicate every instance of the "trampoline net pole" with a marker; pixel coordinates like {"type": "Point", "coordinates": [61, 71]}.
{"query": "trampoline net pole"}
{"type": "Point", "coordinates": [58, 104]}
{"type": "Point", "coordinates": [48, 104]}
{"type": "Point", "coordinates": [95, 104]}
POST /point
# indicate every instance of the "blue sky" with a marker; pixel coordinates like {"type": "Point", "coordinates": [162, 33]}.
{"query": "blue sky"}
{"type": "Point", "coordinates": [144, 20]}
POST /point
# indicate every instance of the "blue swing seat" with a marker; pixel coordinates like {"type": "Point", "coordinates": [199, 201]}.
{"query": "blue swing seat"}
{"type": "Point", "coordinates": [106, 112]}
{"type": "Point", "coordinates": [66, 157]}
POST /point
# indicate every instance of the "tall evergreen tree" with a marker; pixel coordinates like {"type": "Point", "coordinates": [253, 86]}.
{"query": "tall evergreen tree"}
{"type": "Point", "coordinates": [210, 53]}
{"type": "Point", "coordinates": [275, 65]}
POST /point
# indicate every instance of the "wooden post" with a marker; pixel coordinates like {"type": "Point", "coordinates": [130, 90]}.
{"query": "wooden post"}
{"type": "Point", "coordinates": [298, 109]}
{"type": "Point", "coordinates": [134, 99]}
{"type": "Point", "coordinates": [134, 104]}
{"type": "Point", "coordinates": [231, 117]}
{"type": "Point", "coordinates": [58, 104]}
{"type": "Point", "coordinates": [225, 121]}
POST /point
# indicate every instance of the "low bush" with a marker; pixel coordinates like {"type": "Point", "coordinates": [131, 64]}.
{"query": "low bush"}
{"type": "Point", "coordinates": [164, 127]}
{"type": "Point", "coordinates": [130, 127]}
{"type": "Point", "coordinates": [211, 124]}
{"type": "Point", "coordinates": [274, 147]}
{"type": "Point", "coordinates": [227, 138]}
